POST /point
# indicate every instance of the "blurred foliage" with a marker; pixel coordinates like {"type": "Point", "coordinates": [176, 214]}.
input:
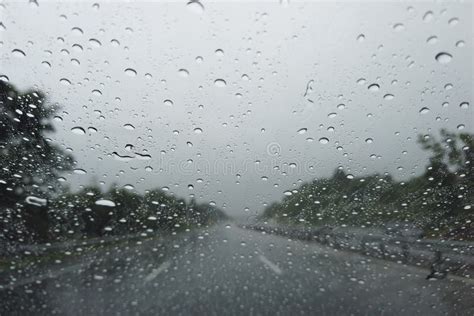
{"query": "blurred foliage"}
{"type": "Point", "coordinates": [35, 208]}
{"type": "Point", "coordinates": [439, 201]}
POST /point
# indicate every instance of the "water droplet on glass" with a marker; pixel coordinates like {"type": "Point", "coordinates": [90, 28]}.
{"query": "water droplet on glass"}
{"type": "Point", "coordinates": [369, 140]}
{"type": "Point", "coordinates": [428, 16]}
{"type": "Point", "coordinates": [130, 72]}
{"type": "Point", "coordinates": [183, 73]}
{"type": "Point", "coordinates": [460, 44]}
{"type": "Point", "coordinates": [79, 171]}
{"type": "Point", "coordinates": [18, 53]}
{"type": "Point", "coordinates": [95, 42]}
{"type": "Point", "coordinates": [398, 27]}
{"type": "Point", "coordinates": [443, 57]}
{"type": "Point", "coordinates": [220, 83]}
{"type": "Point", "coordinates": [104, 202]}
{"type": "Point", "coordinates": [388, 96]}
{"type": "Point", "coordinates": [168, 102]}
{"type": "Point", "coordinates": [287, 193]}
{"type": "Point", "coordinates": [219, 53]}
{"type": "Point", "coordinates": [77, 31]}
{"type": "Point", "coordinates": [96, 92]}
{"type": "Point", "coordinates": [195, 6]}
{"type": "Point", "coordinates": [374, 87]}
{"type": "Point", "coordinates": [323, 140]}
{"type": "Point", "coordinates": [464, 105]}
{"type": "Point", "coordinates": [453, 21]}
{"type": "Point", "coordinates": [361, 81]}
{"type": "Point", "coordinates": [78, 130]}
{"type": "Point", "coordinates": [128, 187]}
{"type": "Point", "coordinates": [424, 110]}
{"type": "Point", "coordinates": [350, 176]}
{"type": "Point", "coordinates": [332, 115]}
{"type": "Point", "coordinates": [432, 39]}
{"type": "Point", "coordinates": [360, 38]}
{"type": "Point", "coordinates": [129, 127]}
{"type": "Point", "coordinates": [461, 126]}
{"type": "Point", "coordinates": [302, 131]}
{"type": "Point", "coordinates": [198, 130]}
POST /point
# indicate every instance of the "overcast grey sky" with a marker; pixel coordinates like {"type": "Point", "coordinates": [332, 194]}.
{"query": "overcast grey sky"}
{"type": "Point", "coordinates": [279, 92]}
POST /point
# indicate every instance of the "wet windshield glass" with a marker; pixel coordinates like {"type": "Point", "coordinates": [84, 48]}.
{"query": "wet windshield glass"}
{"type": "Point", "coordinates": [236, 158]}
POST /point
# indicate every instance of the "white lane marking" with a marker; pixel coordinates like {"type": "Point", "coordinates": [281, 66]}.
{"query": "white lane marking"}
{"type": "Point", "coordinates": [165, 265]}
{"type": "Point", "coordinates": [270, 264]}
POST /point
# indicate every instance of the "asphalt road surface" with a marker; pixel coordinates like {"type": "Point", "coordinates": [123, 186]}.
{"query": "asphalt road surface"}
{"type": "Point", "coordinates": [226, 270]}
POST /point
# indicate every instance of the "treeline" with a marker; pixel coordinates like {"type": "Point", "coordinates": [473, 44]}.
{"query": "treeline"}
{"type": "Point", "coordinates": [439, 202]}
{"type": "Point", "coordinates": [34, 207]}
{"type": "Point", "coordinates": [91, 213]}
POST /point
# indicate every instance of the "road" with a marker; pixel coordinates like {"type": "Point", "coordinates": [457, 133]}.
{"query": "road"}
{"type": "Point", "coordinates": [226, 270]}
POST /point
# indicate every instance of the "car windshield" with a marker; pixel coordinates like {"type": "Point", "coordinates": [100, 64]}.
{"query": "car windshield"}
{"type": "Point", "coordinates": [236, 157]}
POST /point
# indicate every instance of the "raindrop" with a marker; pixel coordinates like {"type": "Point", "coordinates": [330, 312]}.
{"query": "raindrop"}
{"type": "Point", "coordinates": [448, 86]}
{"type": "Point", "coordinates": [104, 202]}
{"type": "Point", "coordinates": [97, 92]}
{"type": "Point", "coordinates": [323, 140]}
{"type": "Point", "coordinates": [424, 110]}
{"type": "Point", "coordinates": [115, 42]}
{"type": "Point", "coordinates": [245, 77]}
{"type": "Point", "coordinates": [287, 193]}
{"type": "Point", "coordinates": [128, 187]}
{"type": "Point", "coordinates": [131, 72]}
{"type": "Point", "coordinates": [302, 131]}
{"type": "Point", "coordinates": [461, 126]}
{"type": "Point", "coordinates": [369, 140]}
{"type": "Point", "coordinates": [388, 96]}
{"type": "Point", "coordinates": [46, 64]}
{"type": "Point", "coordinates": [443, 57]}
{"type": "Point", "coordinates": [341, 106]}
{"type": "Point", "coordinates": [460, 44]}
{"type": "Point", "coordinates": [183, 73]}
{"type": "Point", "coordinates": [199, 59]}
{"type": "Point", "coordinates": [79, 171]}
{"type": "Point", "coordinates": [350, 176]}
{"type": "Point", "coordinates": [361, 81]}
{"type": "Point", "coordinates": [453, 21]}
{"type": "Point", "coordinates": [428, 17]}
{"type": "Point", "coordinates": [432, 39]}
{"type": "Point", "coordinates": [18, 53]}
{"type": "Point", "coordinates": [168, 102]}
{"type": "Point", "coordinates": [374, 87]}
{"type": "Point", "coordinates": [78, 130]}
{"type": "Point", "coordinates": [398, 27]}
{"type": "Point", "coordinates": [464, 105]}
{"type": "Point", "coordinates": [129, 127]}
{"type": "Point", "coordinates": [220, 83]}
{"type": "Point", "coordinates": [77, 31]}
{"type": "Point", "coordinates": [219, 53]}
{"type": "Point", "coordinates": [197, 130]}
{"type": "Point", "coordinates": [95, 42]}
{"type": "Point", "coordinates": [195, 6]}
{"type": "Point", "coordinates": [332, 115]}
{"type": "Point", "coordinates": [360, 38]}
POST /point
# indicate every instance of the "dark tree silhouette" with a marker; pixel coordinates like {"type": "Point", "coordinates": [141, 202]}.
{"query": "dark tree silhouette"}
{"type": "Point", "coordinates": [30, 163]}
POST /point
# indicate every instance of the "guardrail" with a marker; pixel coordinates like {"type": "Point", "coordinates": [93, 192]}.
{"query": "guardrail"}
{"type": "Point", "coordinates": [440, 256]}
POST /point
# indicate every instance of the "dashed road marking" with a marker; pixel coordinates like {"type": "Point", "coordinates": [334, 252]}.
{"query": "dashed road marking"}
{"type": "Point", "coordinates": [270, 264]}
